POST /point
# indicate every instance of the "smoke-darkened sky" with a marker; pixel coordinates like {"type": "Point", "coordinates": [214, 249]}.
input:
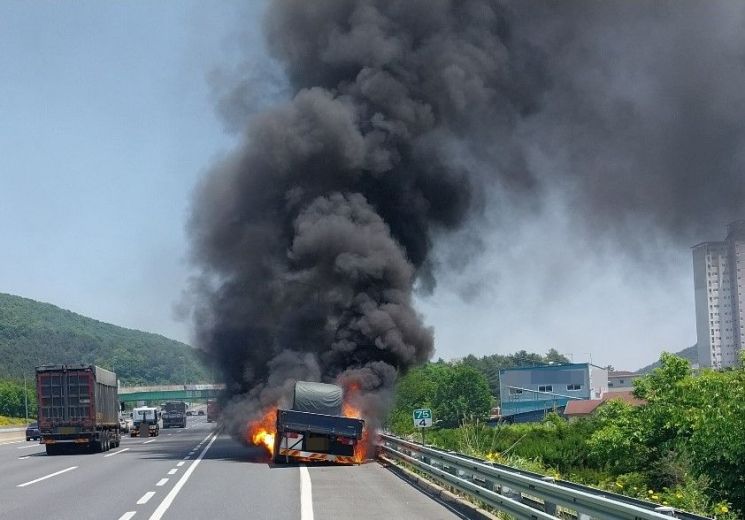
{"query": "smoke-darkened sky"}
{"type": "Point", "coordinates": [583, 150]}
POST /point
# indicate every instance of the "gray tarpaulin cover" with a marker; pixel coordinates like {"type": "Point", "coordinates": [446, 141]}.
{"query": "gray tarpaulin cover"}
{"type": "Point", "coordinates": [317, 398]}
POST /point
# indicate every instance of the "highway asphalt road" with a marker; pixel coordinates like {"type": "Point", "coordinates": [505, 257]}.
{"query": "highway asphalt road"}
{"type": "Point", "coordinates": [197, 473]}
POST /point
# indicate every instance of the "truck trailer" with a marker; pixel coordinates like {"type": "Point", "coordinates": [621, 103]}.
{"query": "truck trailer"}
{"type": "Point", "coordinates": [174, 414]}
{"type": "Point", "coordinates": [314, 429]}
{"type": "Point", "coordinates": [213, 410]}
{"type": "Point", "coordinates": [78, 407]}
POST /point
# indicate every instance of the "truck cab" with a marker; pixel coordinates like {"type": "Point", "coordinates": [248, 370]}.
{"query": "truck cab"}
{"type": "Point", "coordinates": [145, 422]}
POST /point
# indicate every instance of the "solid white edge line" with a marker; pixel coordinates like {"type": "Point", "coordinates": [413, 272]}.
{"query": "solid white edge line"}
{"type": "Point", "coordinates": [47, 476]}
{"type": "Point", "coordinates": [162, 482]}
{"type": "Point", "coordinates": [128, 515]}
{"type": "Point", "coordinates": [116, 452]}
{"type": "Point", "coordinates": [146, 498]}
{"type": "Point", "coordinates": [168, 500]}
{"type": "Point", "coordinates": [306, 494]}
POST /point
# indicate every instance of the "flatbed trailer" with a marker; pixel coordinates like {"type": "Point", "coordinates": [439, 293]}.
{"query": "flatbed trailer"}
{"type": "Point", "coordinates": [305, 436]}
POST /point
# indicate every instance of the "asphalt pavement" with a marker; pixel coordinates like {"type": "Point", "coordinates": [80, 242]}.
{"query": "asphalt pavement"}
{"type": "Point", "coordinates": [197, 473]}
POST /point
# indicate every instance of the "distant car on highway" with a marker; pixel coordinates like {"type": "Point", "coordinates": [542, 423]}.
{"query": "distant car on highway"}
{"type": "Point", "coordinates": [32, 432]}
{"type": "Point", "coordinates": [123, 425]}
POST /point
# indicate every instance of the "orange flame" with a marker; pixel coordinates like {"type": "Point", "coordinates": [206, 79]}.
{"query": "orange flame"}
{"type": "Point", "coordinates": [261, 432]}
{"type": "Point", "coordinates": [350, 410]}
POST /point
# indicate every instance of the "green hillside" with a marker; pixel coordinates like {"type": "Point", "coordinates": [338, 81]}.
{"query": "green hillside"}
{"type": "Point", "coordinates": [690, 353]}
{"type": "Point", "coordinates": [34, 333]}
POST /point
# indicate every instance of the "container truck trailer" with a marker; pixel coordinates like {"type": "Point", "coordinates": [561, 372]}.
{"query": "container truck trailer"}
{"type": "Point", "coordinates": [78, 407]}
{"type": "Point", "coordinates": [315, 429]}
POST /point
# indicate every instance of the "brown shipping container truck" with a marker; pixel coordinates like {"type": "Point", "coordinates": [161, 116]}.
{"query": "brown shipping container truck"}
{"type": "Point", "coordinates": [78, 407]}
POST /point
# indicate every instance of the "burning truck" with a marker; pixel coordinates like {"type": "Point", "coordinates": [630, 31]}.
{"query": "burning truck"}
{"type": "Point", "coordinates": [317, 427]}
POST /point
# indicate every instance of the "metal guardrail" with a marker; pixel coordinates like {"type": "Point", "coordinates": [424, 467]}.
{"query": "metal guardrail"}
{"type": "Point", "coordinates": [522, 494]}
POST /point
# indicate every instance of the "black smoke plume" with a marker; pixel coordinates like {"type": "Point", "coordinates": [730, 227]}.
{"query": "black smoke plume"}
{"type": "Point", "coordinates": [404, 116]}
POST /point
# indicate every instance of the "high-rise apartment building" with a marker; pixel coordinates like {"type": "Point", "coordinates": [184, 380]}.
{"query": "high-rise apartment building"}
{"type": "Point", "coordinates": [718, 276]}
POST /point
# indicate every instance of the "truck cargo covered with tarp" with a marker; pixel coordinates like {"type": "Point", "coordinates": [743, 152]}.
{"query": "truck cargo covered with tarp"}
{"type": "Point", "coordinates": [317, 398]}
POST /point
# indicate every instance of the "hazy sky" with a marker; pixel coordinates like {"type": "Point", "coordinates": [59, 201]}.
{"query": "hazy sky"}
{"type": "Point", "coordinates": [107, 120]}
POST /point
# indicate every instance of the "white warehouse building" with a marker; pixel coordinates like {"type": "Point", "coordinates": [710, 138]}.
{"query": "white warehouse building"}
{"type": "Point", "coordinates": [718, 272]}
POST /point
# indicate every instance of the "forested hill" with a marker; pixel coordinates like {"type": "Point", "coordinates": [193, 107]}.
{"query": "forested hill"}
{"type": "Point", "coordinates": [690, 353]}
{"type": "Point", "coordinates": [34, 333]}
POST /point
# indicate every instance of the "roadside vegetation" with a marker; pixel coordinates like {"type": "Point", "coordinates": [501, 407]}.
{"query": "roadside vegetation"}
{"type": "Point", "coordinates": [684, 448]}
{"type": "Point", "coordinates": [13, 404]}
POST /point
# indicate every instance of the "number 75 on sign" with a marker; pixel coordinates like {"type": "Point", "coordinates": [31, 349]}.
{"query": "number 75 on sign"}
{"type": "Point", "coordinates": [423, 418]}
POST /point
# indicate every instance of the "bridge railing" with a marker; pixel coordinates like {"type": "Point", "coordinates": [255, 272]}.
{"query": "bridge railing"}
{"type": "Point", "coordinates": [521, 494]}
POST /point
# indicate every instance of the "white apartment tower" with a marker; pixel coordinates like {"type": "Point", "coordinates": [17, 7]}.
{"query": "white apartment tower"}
{"type": "Point", "coordinates": [718, 275]}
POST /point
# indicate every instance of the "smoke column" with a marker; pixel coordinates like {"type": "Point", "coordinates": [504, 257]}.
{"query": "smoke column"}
{"type": "Point", "coordinates": [404, 116]}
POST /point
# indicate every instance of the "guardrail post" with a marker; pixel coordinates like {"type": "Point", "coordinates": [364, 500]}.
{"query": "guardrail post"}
{"type": "Point", "coordinates": [549, 507]}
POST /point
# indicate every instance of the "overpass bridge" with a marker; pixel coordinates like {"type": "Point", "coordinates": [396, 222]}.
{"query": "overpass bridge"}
{"type": "Point", "coordinates": [132, 394]}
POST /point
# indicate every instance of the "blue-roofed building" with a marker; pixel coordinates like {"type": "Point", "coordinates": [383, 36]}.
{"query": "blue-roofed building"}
{"type": "Point", "coordinates": [528, 394]}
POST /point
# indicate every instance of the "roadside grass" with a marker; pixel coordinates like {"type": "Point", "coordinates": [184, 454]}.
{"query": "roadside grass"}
{"type": "Point", "coordinates": [10, 422]}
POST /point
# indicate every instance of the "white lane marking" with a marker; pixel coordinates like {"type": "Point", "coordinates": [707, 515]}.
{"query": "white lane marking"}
{"type": "Point", "coordinates": [147, 496]}
{"type": "Point", "coordinates": [180, 464]}
{"type": "Point", "coordinates": [9, 442]}
{"type": "Point", "coordinates": [163, 507]}
{"type": "Point", "coordinates": [162, 482]}
{"type": "Point", "coordinates": [148, 442]}
{"type": "Point", "coordinates": [306, 494]}
{"type": "Point", "coordinates": [128, 515]}
{"type": "Point", "coordinates": [24, 458]}
{"type": "Point", "coordinates": [27, 447]}
{"type": "Point", "coordinates": [60, 472]}
{"type": "Point", "coordinates": [117, 452]}
{"type": "Point", "coordinates": [173, 471]}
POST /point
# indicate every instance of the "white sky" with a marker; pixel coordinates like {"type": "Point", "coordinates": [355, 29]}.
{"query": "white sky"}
{"type": "Point", "coordinates": [107, 120]}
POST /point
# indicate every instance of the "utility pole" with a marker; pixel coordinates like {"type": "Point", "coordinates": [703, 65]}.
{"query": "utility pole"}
{"type": "Point", "coordinates": [25, 395]}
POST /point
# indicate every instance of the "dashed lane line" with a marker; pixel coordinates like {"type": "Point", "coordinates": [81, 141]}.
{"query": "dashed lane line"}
{"type": "Point", "coordinates": [173, 471]}
{"type": "Point", "coordinates": [117, 452]}
{"type": "Point", "coordinates": [162, 482]}
{"type": "Point", "coordinates": [128, 515]}
{"type": "Point", "coordinates": [146, 497]}
{"type": "Point", "coordinates": [180, 464]}
{"type": "Point", "coordinates": [168, 500]}
{"type": "Point", "coordinates": [60, 472]}
{"type": "Point", "coordinates": [148, 442]}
